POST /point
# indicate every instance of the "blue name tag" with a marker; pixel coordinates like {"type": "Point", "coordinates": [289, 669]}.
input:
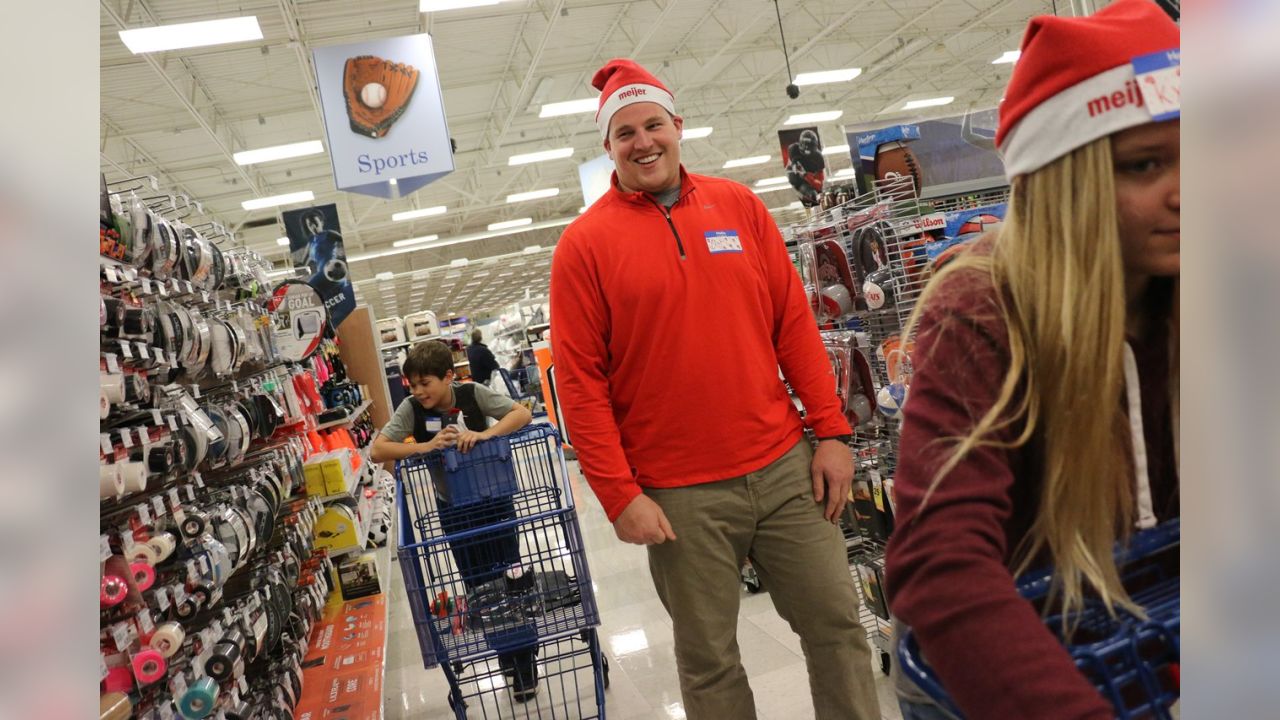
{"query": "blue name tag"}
{"type": "Point", "coordinates": [723, 241]}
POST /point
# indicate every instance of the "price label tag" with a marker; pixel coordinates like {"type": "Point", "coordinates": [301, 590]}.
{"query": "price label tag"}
{"type": "Point", "coordinates": [157, 504]}
{"type": "Point", "coordinates": [127, 542]}
{"type": "Point", "coordinates": [162, 599]}
{"type": "Point", "coordinates": [190, 288]}
{"type": "Point", "coordinates": [191, 494]}
{"type": "Point", "coordinates": [144, 435]}
{"type": "Point", "coordinates": [156, 417]}
{"type": "Point", "coordinates": [204, 564]}
{"type": "Point", "coordinates": [204, 296]}
{"type": "Point", "coordinates": [142, 351]}
{"type": "Point", "coordinates": [165, 711]}
{"type": "Point", "coordinates": [130, 273]}
{"type": "Point", "coordinates": [126, 438]}
{"type": "Point", "coordinates": [178, 685]}
{"type": "Point", "coordinates": [110, 272]}
{"type": "Point", "coordinates": [125, 351]}
{"type": "Point", "coordinates": [146, 286]}
{"type": "Point", "coordinates": [105, 444]}
{"type": "Point", "coordinates": [173, 423]}
{"type": "Point", "coordinates": [174, 501]}
{"type": "Point", "coordinates": [104, 547]}
{"type": "Point", "coordinates": [199, 481]}
{"type": "Point", "coordinates": [195, 391]}
{"type": "Point", "coordinates": [144, 514]}
{"type": "Point", "coordinates": [191, 572]}
{"type": "Point", "coordinates": [1159, 78]}
{"type": "Point", "coordinates": [164, 291]}
{"type": "Point", "coordinates": [242, 685]}
{"type": "Point", "coordinates": [145, 624]}
{"type": "Point", "coordinates": [179, 594]}
{"type": "Point", "coordinates": [113, 363]}
{"type": "Point", "coordinates": [102, 667]}
{"type": "Point", "coordinates": [160, 356]}
{"type": "Point", "coordinates": [122, 634]}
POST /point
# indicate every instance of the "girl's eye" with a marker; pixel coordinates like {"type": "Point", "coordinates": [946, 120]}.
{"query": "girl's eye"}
{"type": "Point", "coordinates": [1140, 166]}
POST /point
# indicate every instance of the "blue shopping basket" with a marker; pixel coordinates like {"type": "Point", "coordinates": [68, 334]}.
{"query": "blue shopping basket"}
{"type": "Point", "coordinates": [1133, 661]}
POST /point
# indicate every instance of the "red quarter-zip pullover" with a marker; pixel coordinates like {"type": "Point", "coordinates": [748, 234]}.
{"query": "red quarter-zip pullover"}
{"type": "Point", "coordinates": [668, 330]}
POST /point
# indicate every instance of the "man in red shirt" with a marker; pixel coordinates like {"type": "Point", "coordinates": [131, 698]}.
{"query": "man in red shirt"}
{"type": "Point", "coordinates": [674, 305]}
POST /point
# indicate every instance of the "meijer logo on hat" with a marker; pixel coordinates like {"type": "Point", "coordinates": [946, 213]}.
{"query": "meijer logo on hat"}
{"type": "Point", "coordinates": [632, 92]}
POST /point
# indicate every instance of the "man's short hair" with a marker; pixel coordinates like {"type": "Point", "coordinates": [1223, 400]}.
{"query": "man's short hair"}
{"type": "Point", "coordinates": [431, 357]}
{"type": "Point", "coordinates": [476, 336]}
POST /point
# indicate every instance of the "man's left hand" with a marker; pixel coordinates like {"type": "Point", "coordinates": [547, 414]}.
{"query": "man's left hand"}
{"type": "Point", "coordinates": [832, 472]}
{"type": "Point", "coordinates": [467, 439]}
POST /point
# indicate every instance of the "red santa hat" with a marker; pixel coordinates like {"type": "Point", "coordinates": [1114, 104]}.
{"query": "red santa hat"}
{"type": "Point", "coordinates": [1075, 82]}
{"type": "Point", "coordinates": [622, 82]}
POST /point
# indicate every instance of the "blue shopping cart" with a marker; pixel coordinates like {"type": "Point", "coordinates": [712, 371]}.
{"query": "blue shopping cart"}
{"type": "Point", "coordinates": [1133, 661]}
{"type": "Point", "coordinates": [493, 564]}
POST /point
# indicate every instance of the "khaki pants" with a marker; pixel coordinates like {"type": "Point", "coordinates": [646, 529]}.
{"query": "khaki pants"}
{"type": "Point", "coordinates": [769, 516]}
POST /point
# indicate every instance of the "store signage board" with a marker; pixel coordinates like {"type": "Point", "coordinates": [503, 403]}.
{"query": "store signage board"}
{"type": "Point", "coordinates": [595, 176]}
{"type": "Point", "coordinates": [367, 148]}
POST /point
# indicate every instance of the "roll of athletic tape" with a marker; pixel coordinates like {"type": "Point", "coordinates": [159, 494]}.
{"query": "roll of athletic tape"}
{"type": "Point", "coordinates": [118, 680]}
{"type": "Point", "coordinates": [110, 481]}
{"type": "Point", "coordinates": [200, 698]}
{"type": "Point", "coordinates": [225, 655]}
{"type": "Point", "coordinates": [167, 638]}
{"type": "Point", "coordinates": [194, 523]}
{"type": "Point", "coordinates": [114, 706]}
{"type": "Point", "coordinates": [144, 574]}
{"type": "Point", "coordinates": [113, 591]}
{"type": "Point", "coordinates": [136, 389]}
{"type": "Point", "coordinates": [144, 553]}
{"type": "Point", "coordinates": [148, 666]}
{"type": "Point", "coordinates": [112, 385]}
{"type": "Point", "coordinates": [163, 544]}
{"type": "Point", "coordinates": [104, 405]}
{"type": "Point", "coordinates": [135, 476]}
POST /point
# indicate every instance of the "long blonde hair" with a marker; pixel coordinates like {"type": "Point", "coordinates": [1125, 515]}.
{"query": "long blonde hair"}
{"type": "Point", "coordinates": [1059, 278]}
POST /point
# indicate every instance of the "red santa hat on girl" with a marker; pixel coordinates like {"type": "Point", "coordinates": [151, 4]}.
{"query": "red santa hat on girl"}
{"type": "Point", "coordinates": [622, 82]}
{"type": "Point", "coordinates": [1075, 81]}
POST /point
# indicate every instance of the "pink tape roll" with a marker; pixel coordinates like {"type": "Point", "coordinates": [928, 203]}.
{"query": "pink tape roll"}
{"type": "Point", "coordinates": [114, 590]}
{"type": "Point", "coordinates": [143, 574]}
{"type": "Point", "coordinates": [119, 679]}
{"type": "Point", "coordinates": [148, 666]}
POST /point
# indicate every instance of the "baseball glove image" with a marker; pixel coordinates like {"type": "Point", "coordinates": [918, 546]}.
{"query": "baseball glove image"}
{"type": "Point", "coordinates": [377, 92]}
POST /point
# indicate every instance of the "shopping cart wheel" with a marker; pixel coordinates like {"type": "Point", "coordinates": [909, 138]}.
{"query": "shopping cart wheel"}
{"type": "Point", "coordinates": [885, 663]}
{"type": "Point", "coordinates": [604, 670]}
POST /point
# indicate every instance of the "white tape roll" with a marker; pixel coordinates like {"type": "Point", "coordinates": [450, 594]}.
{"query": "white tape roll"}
{"type": "Point", "coordinates": [163, 544]}
{"type": "Point", "coordinates": [135, 476]}
{"type": "Point", "coordinates": [104, 405]}
{"type": "Point", "coordinates": [112, 385]}
{"type": "Point", "coordinates": [168, 638]}
{"type": "Point", "coordinates": [143, 552]}
{"type": "Point", "coordinates": [110, 481]}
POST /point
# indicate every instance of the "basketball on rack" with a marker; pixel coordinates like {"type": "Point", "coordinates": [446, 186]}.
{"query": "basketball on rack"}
{"type": "Point", "coordinates": [895, 159]}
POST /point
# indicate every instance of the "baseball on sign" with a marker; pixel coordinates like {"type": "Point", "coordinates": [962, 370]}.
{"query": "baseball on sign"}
{"type": "Point", "coordinates": [373, 95]}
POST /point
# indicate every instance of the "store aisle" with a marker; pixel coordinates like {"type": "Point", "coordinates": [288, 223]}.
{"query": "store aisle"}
{"type": "Point", "coordinates": [636, 636]}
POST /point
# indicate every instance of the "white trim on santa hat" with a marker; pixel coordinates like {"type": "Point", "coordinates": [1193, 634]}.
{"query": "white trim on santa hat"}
{"type": "Point", "coordinates": [1105, 103]}
{"type": "Point", "coordinates": [628, 94]}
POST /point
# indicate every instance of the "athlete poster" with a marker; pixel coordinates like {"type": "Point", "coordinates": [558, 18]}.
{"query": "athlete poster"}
{"type": "Point", "coordinates": [802, 158]}
{"type": "Point", "coordinates": [315, 241]}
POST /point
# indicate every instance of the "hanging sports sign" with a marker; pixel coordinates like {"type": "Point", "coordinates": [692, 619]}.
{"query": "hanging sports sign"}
{"type": "Point", "coordinates": [300, 319]}
{"type": "Point", "coordinates": [383, 115]}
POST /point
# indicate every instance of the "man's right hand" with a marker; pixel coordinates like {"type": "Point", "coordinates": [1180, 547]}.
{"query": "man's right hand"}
{"type": "Point", "coordinates": [643, 523]}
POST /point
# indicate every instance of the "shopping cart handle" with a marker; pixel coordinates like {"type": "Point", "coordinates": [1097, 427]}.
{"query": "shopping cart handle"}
{"type": "Point", "coordinates": [914, 667]}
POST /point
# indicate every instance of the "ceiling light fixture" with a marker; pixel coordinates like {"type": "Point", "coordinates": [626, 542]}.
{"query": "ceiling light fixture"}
{"type": "Point", "coordinates": [278, 152]}
{"type": "Point", "coordinates": [569, 107]}
{"type": "Point", "coordinates": [835, 149]}
{"type": "Point", "coordinates": [827, 76]}
{"type": "Point", "coordinates": [771, 188]}
{"type": "Point", "coordinates": [190, 35]}
{"type": "Point", "coordinates": [695, 133]}
{"type": "Point", "coordinates": [282, 242]}
{"type": "Point", "coordinates": [813, 117]}
{"type": "Point", "coordinates": [928, 103]}
{"type": "Point", "coordinates": [509, 224]}
{"type": "Point", "coordinates": [533, 195]}
{"type": "Point", "coordinates": [540, 156]}
{"type": "Point", "coordinates": [414, 214]}
{"type": "Point", "coordinates": [385, 276]}
{"type": "Point", "coordinates": [1009, 56]}
{"type": "Point", "coordinates": [438, 5]}
{"type": "Point", "coordinates": [844, 173]}
{"type": "Point", "coordinates": [277, 200]}
{"type": "Point", "coordinates": [744, 162]}
{"type": "Point", "coordinates": [415, 241]}
{"type": "Point", "coordinates": [780, 180]}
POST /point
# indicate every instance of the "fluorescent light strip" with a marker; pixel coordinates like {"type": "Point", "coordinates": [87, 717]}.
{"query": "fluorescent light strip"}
{"type": "Point", "coordinates": [190, 35]}
{"type": "Point", "coordinates": [931, 102]}
{"type": "Point", "coordinates": [835, 150]}
{"type": "Point", "coordinates": [508, 224]}
{"type": "Point", "coordinates": [813, 117]}
{"type": "Point", "coordinates": [844, 173]}
{"type": "Point", "coordinates": [277, 200]}
{"type": "Point", "coordinates": [744, 162]}
{"type": "Point", "coordinates": [414, 214]}
{"type": "Point", "coordinates": [1009, 56]}
{"type": "Point", "coordinates": [827, 76]}
{"type": "Point", "coordinates": [540, 156]}
{"type": "Point", "coordinates": [771, 188]}
{"type": "Point", "coordinates": [282, 242]}
{"type": "Point", "coordinates": [695, 133]}
{"type": "Point", "coordinates": [560, 222]}
{"type": "Point", "coordinates": [278, 152]}
{"type": "Point", "coordinates": [439, 5]}
{"type": "Point", "coordinates": [780, 180]}
{"type": "Point", "coordinates": [415, 241]}
{"type": "Point", "coordinates": [569, 107]}
{"type": "Point", "coordinates": [533, 195]}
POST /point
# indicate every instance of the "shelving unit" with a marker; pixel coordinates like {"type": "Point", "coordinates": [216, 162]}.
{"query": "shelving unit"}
{"type": "Point", "coordinates": [349, 419]}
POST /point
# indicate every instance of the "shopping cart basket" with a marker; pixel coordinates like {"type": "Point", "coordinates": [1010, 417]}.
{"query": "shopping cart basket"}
{"type": "Point", "coordinates": [1133, 661]}
{"type": "Point", "coordinates": [495, 571]}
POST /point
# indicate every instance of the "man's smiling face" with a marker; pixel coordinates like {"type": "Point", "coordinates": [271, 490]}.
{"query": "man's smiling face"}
{"type": "Point", "coordinates": [644, 142]}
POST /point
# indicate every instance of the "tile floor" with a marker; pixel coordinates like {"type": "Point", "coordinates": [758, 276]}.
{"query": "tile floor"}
{"type": "Point", "coordinates": [635, 634]}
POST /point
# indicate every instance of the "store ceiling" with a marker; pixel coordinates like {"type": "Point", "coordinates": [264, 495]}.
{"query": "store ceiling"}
{"type": "Point", "coordinates": [180, 115]}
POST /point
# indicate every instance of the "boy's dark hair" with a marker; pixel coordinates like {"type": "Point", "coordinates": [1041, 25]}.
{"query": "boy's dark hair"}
{"type": "Point", "coordinates": [476, 336]}
{"type": "Point", "coordinates": [431, 357]}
